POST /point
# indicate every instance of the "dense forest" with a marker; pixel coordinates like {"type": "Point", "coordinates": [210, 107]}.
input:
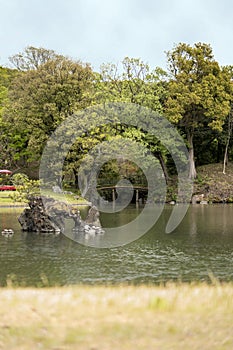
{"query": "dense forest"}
{"type": "Point", "coordinates": [41, 88]}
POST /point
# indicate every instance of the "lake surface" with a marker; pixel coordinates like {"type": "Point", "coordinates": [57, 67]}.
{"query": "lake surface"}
{"type": "Point", "coordinates": [200, 247]}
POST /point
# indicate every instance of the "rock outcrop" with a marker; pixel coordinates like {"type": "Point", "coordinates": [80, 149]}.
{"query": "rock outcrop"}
{"type": "Point", "coordinates": [46, 214]}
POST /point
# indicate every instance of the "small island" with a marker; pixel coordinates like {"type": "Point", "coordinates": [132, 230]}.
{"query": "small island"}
{"type": "Point", "coordinates": [47, 215]}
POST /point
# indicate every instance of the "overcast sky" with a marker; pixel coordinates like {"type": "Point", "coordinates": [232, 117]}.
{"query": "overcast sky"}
{"type": "Point", "coordinates": [100, 31]}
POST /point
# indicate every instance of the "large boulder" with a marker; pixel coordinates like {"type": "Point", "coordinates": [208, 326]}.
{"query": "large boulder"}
{"type": "Point", "coordinates": [46, 214]}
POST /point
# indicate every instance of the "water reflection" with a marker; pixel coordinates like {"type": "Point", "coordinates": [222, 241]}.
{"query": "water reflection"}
{"type": "Point", "coordinates": [202, 243]}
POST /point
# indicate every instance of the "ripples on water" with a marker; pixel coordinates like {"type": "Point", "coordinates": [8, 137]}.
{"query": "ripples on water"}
{"type": "Point", "coordinates": [200, 247]}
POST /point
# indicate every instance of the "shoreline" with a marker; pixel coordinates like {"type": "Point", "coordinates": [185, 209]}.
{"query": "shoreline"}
{"type": "Point", "coordinates": [18, 205]}
{"type": "Point", "coordinates": [86, 204]}
{"type": "Point", "coordinates": [9, 206]}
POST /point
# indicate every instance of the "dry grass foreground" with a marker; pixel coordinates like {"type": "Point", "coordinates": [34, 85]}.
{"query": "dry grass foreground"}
{"type": "Point", "coordinates": [122, 317]}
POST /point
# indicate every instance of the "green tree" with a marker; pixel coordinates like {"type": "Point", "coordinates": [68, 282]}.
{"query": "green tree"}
{"type": "Point", "coordinates": [32, 58]}
{"type": "Point", "coordinates": [199, 93]}
{"type": "Point", "coordinates": [227, 130]}
{"type": "Point", "coordinates": [25, 188]}
{"type": "Point", "coordinates": [49, 88]}
{"type": "Point", "coordinates": [6, 155]}
{"type": "Point", "coordinates": [135, 82]}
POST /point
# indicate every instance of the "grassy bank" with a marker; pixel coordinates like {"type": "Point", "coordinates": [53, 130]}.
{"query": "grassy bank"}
{"type": "Point", "coordinates": [123, 317]}
{"type": "Point", "coordinates": [213, 184]}
{"type": "Point", "coordinates": [6, 199]}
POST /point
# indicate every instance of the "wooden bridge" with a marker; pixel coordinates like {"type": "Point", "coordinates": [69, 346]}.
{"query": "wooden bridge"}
{"type": "Point", "coordinates": [113, 188]}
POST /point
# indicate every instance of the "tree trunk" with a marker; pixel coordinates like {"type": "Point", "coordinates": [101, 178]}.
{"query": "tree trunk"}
{"type": "Point", "coordinates": [230, 125]}
{"type": "Point", "coordinates": [75, 172]}
{"type": "Point", "coordinates": [225, 157]}
{"type": "Point", "coordinates": [164, 168]}
{"type": "Point", "coordinates": [192, 167]}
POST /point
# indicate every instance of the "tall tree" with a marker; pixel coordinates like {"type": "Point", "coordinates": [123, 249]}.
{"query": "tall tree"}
{"type": "Point", "coordinates": [198, 92]}
{"type": "Point", "coordinates": [228, 138]}
{"type": "Point", "coordinates": [228, 71]}
{"type": "Point", "coordinates": [135, 82]}
{"type": "Point", "coordinates": [6, 150]}
{"type": "Point", "coordinates": [32, 57]}
{"type": "Point", "coordinates": [49, 88]}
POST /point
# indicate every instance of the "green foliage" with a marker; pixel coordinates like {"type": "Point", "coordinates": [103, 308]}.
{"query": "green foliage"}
{"type": "Point", "coordinates": [32, 58]}
{"type": "Point", "coordinates": [199, 91]}
{"type": "Point", "coordinates": [133, 82]}
{"type": "Point", "coordinates": [46, 88]}
{"type": "Point", "coordinates": [49, 88]}
{"type": "Point", "coordinates": [25, 188]}
{"type": "Point", "coordinates": [6, 155]}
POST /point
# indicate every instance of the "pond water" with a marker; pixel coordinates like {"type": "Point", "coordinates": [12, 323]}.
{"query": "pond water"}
{"type": "Point", "coordinates": [201, 247]}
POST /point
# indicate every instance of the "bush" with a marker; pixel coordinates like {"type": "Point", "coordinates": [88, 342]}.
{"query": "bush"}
{"type": "Point", "coordinates": [25, 188]}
